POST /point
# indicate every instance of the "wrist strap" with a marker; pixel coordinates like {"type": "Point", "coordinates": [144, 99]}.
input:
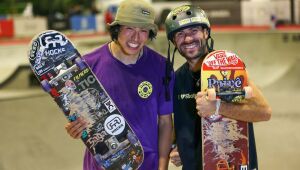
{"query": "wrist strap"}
{"type": "Point", "coordinates": [218, 104]}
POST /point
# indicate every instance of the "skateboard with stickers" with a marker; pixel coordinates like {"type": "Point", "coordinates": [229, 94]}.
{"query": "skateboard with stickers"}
{"type": "Point", "coordinates": [224, 140]}
{"type": "Point", "coordinates": [64, 74]}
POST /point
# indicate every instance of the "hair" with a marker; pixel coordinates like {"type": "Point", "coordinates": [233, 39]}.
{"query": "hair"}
{"type": "Point", "coordinates": [115, 29]}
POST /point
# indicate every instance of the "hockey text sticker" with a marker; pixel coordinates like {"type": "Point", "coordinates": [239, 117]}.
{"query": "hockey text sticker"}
{"type": "Point", "coordinates": [54, 40]}
{"type": "Point", "coordinates": [53, 43]}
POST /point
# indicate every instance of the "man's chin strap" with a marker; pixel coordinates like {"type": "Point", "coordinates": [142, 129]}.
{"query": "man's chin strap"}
{"type": "Point", "coordinates": [211, 46]}
{"type": "Point", "coordinates": [169, 69]}
{"type": "Point", "coordinates": [170, 64]}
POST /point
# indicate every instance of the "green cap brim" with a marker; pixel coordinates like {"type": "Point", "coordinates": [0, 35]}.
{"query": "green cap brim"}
{"type": "Point", "coordinates": [149, 26]}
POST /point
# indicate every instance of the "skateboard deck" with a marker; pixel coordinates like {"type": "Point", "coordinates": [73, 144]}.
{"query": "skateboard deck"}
{"type": "Point", "coordinates": [224, 140]}
{"type": "Point", "coordinates": [69, 80]}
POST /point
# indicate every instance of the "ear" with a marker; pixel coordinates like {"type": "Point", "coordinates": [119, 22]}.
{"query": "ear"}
{"type": "Point", "coordinates": [206, 34]}
{"type": "Point", "coordinates": [174, 42]}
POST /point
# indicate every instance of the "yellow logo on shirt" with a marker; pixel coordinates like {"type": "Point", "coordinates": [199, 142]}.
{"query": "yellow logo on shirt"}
{"type": "Point", "coordinates": [145, 89]}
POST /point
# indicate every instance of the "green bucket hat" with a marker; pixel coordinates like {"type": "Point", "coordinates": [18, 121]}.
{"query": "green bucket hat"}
{"type": "Point", "coordinates": [135, 13]}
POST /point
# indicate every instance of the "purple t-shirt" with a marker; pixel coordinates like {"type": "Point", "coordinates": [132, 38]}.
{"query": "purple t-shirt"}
{"type": "Point", "coordinates": [138, 91]}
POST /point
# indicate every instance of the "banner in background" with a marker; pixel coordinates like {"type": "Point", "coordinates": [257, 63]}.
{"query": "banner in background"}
{"type": "Point", "coordinates": [6, 28]}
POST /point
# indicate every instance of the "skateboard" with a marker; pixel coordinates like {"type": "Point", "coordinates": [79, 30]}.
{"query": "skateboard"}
{"type": "Point", "coordinates": [224, 140]}
{"type": "Point", "coordinates": [64, 74]}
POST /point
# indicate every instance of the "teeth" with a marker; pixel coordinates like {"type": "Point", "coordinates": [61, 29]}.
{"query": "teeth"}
{"type": "Point", "coordinates": [193, 45]}
{"type": "Point", "coordinates": [133, 45]}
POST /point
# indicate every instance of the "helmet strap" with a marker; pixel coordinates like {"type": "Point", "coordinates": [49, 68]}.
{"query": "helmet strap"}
{"type": "Point", "coordinates": [169, 69]}
{"type": "Point", "coordinates": [210, 46]}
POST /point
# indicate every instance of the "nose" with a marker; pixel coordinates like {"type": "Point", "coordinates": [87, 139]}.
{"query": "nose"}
{"type": "Point", "coordinates": [188, 38]}
{"type": "Point", "coordinates": [135, 35]}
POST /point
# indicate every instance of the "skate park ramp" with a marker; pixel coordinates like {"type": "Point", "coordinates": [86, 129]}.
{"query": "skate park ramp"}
{"type": "Point", "coordinates": [32, 127]}
{"type": "Point", "coordinates": [15, 73]}
{"type": "Point", "coordinates": [12, 64]}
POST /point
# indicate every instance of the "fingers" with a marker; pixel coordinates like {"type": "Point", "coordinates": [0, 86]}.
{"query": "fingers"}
{"type": "Point", "coordinates": [200, 97]}
{"type": "Point", "coordinates": [175, 159]}
{"type": "Point", "coordinates": [176, 162]}
{"type": "Point", "coordinates": [200, 101]}
{"type": "Point", "coordinates": [204, 114]}
{"type": "Point", "coordinates": [75, 128]}
{"type": "Point", "coordinates": [201, 94]}
{"type": "Point", "coordinates": [205, 107]}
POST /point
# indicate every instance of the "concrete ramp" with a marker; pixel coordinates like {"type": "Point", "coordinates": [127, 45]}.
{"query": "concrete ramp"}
{"type": "Point", "coordinates": [14, 64]}
{"type": "Point", "coordinates": [289, 81]}
{"type": "Point", "coordinates": [16, 78]}
{"type": "Point", "coordinates": [268, 55]}
{"type": "Point", "coordinates": [12, 59]}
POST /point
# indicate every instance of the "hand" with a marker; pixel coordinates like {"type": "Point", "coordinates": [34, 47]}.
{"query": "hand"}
{"type": "Point", "coordinates": [204, 106]}
{"type": "Point", "coordinates": [75, 128]}
{"type": "Point", "coordinates": [174, 157]}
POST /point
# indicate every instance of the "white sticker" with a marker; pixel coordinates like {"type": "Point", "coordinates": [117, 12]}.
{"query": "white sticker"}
{"type": "Point", "coordinates": [110, 106]}
{"type": "Point", "coordinates": [114, 124]}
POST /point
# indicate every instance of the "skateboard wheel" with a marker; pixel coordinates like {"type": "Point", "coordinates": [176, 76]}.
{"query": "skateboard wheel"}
{"type": "Point", "coordinates": [46, 86]}
{"type": "Point", "coordinates": [79, 63]}
{"type": "Point", "coordinates": [248, 92]}
{"type": "Point", "coordinates": [132, 139]}
{"type": "Point", "coordinates": [211, 94]}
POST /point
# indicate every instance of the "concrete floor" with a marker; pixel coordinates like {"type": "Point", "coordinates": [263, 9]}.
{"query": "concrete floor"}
{"type": "Point", "coordinates": [33, 135]}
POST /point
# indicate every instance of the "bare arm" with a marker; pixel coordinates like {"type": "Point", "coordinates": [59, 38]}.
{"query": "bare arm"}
{"type": "Point", "coordinates": [165, 140]}
{"type": "Point", "coordinates": [254, 109]}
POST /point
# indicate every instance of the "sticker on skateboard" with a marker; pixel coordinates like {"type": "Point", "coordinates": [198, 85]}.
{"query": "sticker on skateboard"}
{"type": "Point", "coordinates": [69, 80]}
{"type": "Point", "coordinates": [224, 140]}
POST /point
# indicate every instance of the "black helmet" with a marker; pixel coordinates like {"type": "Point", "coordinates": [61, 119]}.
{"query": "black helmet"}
{"type": "Point", "coordinates": [183, 17]}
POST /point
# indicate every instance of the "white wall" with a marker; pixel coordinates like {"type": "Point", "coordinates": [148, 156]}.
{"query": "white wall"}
{"type": "Point", "coordinates": [29, 26]}
{"type": "Point", "coordinates": [297, 11]}
{"type": "Point", "coordinates": [104, 4]}
{"type": "Point", "coordinates": [258, 12]}
{"type": "Point", "coordinates": [100, 22]}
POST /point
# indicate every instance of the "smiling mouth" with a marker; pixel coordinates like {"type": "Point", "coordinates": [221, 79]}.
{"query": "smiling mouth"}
{"type": "Point", "coordinates": [133, 45]}
{"type": "Point", "coordinates": [190, 46]}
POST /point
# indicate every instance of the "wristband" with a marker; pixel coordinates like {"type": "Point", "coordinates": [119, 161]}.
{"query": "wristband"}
{"type": "Point", "coordinates": [218, 104]}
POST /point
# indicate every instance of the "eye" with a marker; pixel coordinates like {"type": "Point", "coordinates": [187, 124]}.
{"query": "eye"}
{"type": "Point", "coordinates": [194, 31]}
{"type": "Point", "coordinates": [179, 34]}
{"type": "Point", "coordinates": [144, 30]}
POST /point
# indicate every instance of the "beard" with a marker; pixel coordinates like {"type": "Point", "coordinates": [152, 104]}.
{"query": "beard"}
{"type": "Point", "coordinates": [194, 55]}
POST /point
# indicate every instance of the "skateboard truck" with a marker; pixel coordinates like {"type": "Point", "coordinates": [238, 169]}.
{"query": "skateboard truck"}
{"type": "Point", "coordinates": [230, 96]}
